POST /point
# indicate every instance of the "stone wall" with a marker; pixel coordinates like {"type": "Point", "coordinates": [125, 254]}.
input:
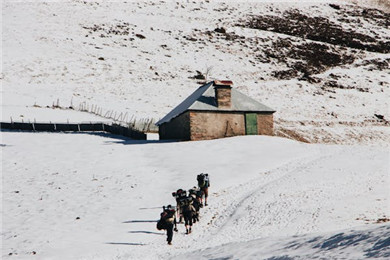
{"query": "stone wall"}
{"type": "Point", "coordinates": [211, 125]}
{"type": "Point", "coordinates": [204, 125]}
{"type": "Point", "coordinates": [265, 124]}
{"type": "Point", "coordinates": [178, 128]}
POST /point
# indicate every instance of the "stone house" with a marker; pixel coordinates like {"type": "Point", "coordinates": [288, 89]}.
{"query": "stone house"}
{"type": "Point", "coordinates": [216, 110]}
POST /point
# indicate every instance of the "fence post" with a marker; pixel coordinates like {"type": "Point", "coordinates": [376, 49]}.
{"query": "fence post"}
{"type": "Point", "coordinates": [125, 117]}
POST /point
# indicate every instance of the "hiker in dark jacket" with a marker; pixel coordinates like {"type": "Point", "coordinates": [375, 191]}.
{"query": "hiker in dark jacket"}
{"type": "Point", "coordinates": [168, 222]}
{"type": "Point", "coordinates": [179, 195]}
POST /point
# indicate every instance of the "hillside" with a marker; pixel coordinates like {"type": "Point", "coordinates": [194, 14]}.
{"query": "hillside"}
{"type": "Point", "coordinates": [96, 196]}
{"type": "Point", "coordinates": [323, 66]}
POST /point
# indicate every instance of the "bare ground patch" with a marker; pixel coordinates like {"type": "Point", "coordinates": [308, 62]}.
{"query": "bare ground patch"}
{"type": "Point", "coordinates": [295, 23]}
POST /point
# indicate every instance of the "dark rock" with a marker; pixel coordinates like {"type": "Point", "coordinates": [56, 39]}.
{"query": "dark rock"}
{"type": "Point", "coordinates": [285, 74]}
{"type": "Point", "coordinates": [140, 36]}
{"type": "Point", "coordinates": [337, 7]}
{"type": "Point", "coordinates": [198, 76]}
{"type": "Point", "coordinates": [381, 117]}
{"type": "Point", "coordinates": [220, 30]}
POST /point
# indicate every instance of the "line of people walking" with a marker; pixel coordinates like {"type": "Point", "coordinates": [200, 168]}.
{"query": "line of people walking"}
{"type": "Point", "coordinates": [187, 208]}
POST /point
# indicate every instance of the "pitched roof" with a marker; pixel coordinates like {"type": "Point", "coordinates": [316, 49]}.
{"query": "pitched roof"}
{"type": "Point", "coordinates": [204, 99]}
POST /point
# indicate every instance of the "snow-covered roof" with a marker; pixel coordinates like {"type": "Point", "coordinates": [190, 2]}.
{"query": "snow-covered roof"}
{"type": "Point", "coordinates": [204, 99]}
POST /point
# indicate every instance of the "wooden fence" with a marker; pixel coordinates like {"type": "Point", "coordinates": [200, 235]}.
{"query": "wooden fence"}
{"type": "Point", "coordinates": [82, 127]}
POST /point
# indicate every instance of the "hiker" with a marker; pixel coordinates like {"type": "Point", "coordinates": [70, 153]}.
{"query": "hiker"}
{"type": "Point", "coordinates": [196, 204]}
{"type": "Point", "coordinates": [188, 211]}
{"type": "Point", "coordinates": [168, 221]}
{"type": "Point", "coordinates": [204, 184]}
{"type": "Point", "coordinates": [179, 195]}
{"type": "Point", "coordinates": [196, 195]}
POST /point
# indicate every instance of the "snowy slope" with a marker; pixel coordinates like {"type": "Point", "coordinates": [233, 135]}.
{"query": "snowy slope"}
{"type": "Point", "coordinates": [361, 243]}
{"type": "Point", "coordinates": [140, 58]}
{"type": "Point", "coordinates": [88, 196]}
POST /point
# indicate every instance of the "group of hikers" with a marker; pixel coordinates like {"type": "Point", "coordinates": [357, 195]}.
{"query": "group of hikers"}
{"type": "Point", "coordinates": [187, 207]}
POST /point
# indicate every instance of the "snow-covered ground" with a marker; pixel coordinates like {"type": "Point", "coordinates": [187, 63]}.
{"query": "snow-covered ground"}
{"type": "Point", "coordinates": [361, 243]}
{"type": "Point", "coordinates": [97, 196]}
{"type": "Point", "coordinates": [138, 58]}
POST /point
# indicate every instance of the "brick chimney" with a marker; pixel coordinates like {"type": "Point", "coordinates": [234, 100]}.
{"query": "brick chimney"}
{"type": "Point", "coordinates": [223, 93]}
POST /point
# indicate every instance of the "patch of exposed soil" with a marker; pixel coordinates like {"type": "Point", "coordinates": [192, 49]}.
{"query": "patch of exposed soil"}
{"type": "Point", "coordinates": [288, 133]}
{"type": "Point", "coordinates": [107, 30]}
{"type": "Point", "coordinates": [377, 64]}
{"type": "Point", "coordinates": [377, 221]}
{"type": "Point", "coordinates": [382, 220]}
{"type": "Point", "coordinates": [304, 59]}
{"type": "Point", "coordinates": [356, 13]}
{"type": "Point", "coordinates": [330, 85]}
{"type": "Point", "coordinates": [293, 22]}
{"type": "Point", "coordinates": [323, 132]}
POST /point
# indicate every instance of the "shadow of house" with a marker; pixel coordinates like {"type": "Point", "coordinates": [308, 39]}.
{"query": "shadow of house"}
{"type": "Point", "coordinates": [216, 110]}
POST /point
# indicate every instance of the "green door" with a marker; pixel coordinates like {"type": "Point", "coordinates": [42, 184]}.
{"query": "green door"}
{"type": "Point", "coordinates": [251, 124]}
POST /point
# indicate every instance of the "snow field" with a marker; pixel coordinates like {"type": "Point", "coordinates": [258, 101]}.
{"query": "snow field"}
{"type": "Point", "coordinates": [368, 242]}
{"type": "Point", "coordinates": [97, 196]}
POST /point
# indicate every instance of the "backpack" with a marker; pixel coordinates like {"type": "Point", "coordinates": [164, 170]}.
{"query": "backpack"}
{"type": "Point", "coordinates": [200, 179]}
{"type": "Point", "coordinates": [162, 223]}
{"type": "Point", "coordinates": [203, 180]}
{"type": "Point", "coordinates": [185, 201]}
{"type": "Point", "coordinates": [206, 180]}
{"type": "Point", "coordinates": [179, 194]}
